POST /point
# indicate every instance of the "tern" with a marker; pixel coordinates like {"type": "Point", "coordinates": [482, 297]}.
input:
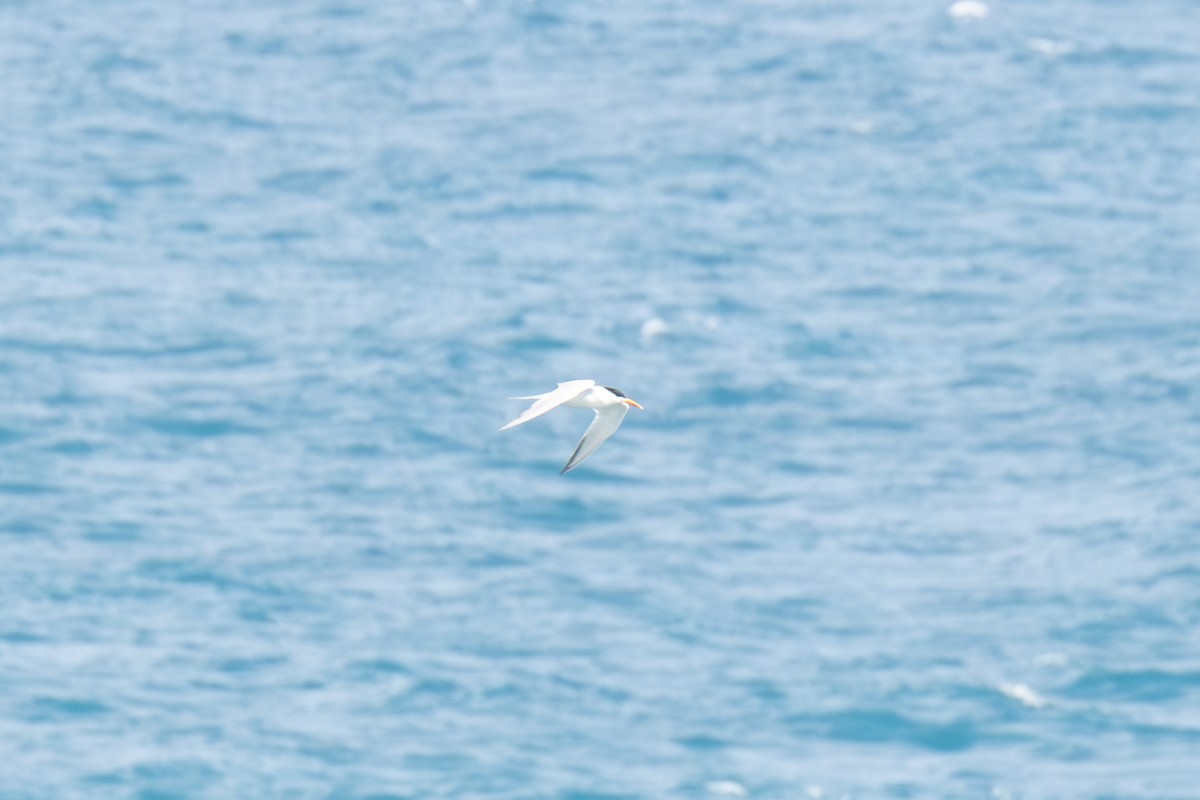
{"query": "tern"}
{"type": "Point", "coordinates": [611, 405]}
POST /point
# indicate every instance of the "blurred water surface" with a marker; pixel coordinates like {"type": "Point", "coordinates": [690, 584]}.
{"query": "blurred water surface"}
{"type": "Point", "coordinates": [910, 300]}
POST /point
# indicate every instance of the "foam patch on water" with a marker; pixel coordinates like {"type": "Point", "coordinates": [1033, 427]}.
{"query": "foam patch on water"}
{"type": "Point", "coordinates": [968, 9]}
{"type": "Point", "coordinates": [1023, 694]}
{"type": "Point", "coordinates": [652, 329]}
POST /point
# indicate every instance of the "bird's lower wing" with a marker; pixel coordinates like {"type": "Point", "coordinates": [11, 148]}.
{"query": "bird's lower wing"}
{"type": "Point", "coordinates": [550, 400]}
{"type": "Point", "coordinates": [603, 426]}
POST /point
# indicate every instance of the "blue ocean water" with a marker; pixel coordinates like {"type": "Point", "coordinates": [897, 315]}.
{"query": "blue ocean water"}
{"type": "Point", "coordinates": [910, 299]}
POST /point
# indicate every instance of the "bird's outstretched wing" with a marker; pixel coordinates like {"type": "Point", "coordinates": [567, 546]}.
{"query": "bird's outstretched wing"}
{"type": "Point", "coordinates": [550, 401]}
{"type": "Point", "coordinates": [603, 426]}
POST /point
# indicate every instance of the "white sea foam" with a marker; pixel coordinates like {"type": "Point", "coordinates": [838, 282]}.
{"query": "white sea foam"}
{"type": "Point", "coordinates": [652, 329]}
{"type": "Point", "coordinates": [968, 9]}
{"type": "Point", "coordinates": [726, 788]}
{"type": "Point", "coordinates": [1022, 694]}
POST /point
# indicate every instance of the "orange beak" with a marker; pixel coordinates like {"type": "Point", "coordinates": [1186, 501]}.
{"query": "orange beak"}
{"type": "Point", "coordinates": [633, 403]}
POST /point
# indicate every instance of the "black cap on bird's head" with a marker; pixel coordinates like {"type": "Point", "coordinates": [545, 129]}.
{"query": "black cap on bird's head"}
{"type": "Point", "coordinates": [621, 395]}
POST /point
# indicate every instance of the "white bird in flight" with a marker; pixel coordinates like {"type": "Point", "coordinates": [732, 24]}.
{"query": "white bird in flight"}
{"type": "Point", "coordinates": [610, 405]}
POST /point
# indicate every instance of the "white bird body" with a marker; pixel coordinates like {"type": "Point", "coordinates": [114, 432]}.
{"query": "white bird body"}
{"type": "Point", "coordinates": [610, 406]}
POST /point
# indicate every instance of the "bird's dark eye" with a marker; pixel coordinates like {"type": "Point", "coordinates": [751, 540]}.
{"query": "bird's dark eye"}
{"type": "Point", "coordinates": [617, 392]}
